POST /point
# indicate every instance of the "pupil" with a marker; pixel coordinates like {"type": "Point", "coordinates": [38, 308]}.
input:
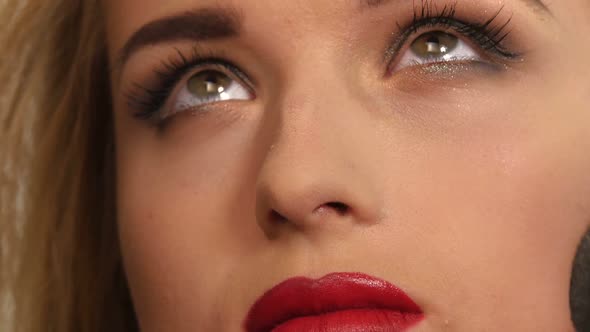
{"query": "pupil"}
{"type": "Point", "coordinates": [434, 44]}
{"type": "Point", "coordinates": [433, 39]}
{"type": "Point", "coordinates": [212, 84]}
{"type": "Point", "coordinates": [208, 83]}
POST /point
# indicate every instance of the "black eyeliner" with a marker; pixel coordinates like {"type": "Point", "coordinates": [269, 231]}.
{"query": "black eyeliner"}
{"type": "Point", "coordinates": [147, 102]}
{"type": "Point", "coordinates": [488, 34]}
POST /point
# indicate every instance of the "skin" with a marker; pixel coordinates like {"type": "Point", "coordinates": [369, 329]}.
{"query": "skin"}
{"type": "Point", "coordinates": [466, 187]}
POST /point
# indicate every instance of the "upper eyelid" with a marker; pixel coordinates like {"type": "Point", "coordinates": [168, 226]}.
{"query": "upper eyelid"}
{"type": "Point", "coordinates": [221, 65]}
{"type": "Point", "coordinates": [400, 39]}
{"type": "Point", "coordinates": [231, 70]}
{"type": "Point", "coordinates": [404, 33]}
{"type": "Point", "coordinates": [173, 72]}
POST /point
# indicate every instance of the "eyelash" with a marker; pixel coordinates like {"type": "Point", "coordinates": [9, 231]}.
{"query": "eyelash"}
{"type": "Point", "coordinates": [147, 101]}
{"type": "Point", "coordinates": [489, 35]}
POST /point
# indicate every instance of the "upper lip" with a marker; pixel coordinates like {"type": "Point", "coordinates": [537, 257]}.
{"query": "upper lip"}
{"type": "Point", "coordinates": [301, 296]}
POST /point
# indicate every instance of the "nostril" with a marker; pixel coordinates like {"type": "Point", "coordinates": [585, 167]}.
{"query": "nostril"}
{"type": "Point", "coordinates": [276, 217]}
{"type": "Point", "coordinates": [341, 208]}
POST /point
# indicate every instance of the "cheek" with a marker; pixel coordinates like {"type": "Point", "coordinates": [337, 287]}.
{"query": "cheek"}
{"type": "Point", "coordinates": [490, 203]}
{"type": "Point", "coordinates": [497, 207]}
{"type": "Point", "coordinates": [184, 220]}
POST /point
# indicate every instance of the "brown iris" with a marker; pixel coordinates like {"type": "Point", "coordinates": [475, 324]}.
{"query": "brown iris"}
{"type": "Point", "coordinates": [208, 84]}
{"type": "Point", "coordinates": [434, 44]}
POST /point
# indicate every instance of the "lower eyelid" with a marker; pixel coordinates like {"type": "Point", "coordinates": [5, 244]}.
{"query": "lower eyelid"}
{"type": "Point", "coordinates": [443, 76]}
{"type": "Point", "coordinates": [470, 55]}
{"type": "Point", "coordinates": [146, 96]}
{"type": "Point", "coordinates": [470, 33]}
{"type": "Point", "coordinates": [240, 96]}
{"type": "Point", "coordinates": [491, 61]}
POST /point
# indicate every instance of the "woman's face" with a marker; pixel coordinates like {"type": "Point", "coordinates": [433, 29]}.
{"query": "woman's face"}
{"type": "Point", "coordinates": [441, 146]}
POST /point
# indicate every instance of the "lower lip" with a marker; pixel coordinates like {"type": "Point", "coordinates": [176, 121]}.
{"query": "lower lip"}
{"type": "Point", "coordinates": [366, 320]}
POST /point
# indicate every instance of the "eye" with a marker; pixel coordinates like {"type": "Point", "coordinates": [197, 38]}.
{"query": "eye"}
{"type": "Point", "coordinates": [434, 47]}
{"type": "Point", "coordinates": [186, 82]}
{"type": "Point", "coordinates": [206, 86]}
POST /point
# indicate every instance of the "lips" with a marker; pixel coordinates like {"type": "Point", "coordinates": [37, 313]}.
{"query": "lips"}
{"type": "Point", "coordinates": [337, 302]}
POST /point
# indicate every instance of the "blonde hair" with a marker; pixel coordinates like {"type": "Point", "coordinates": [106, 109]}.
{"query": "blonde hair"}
{"type": "Point", "coordinates": [60, 266]}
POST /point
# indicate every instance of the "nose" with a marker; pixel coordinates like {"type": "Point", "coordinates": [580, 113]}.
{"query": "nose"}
{"type": "Point", "coordinates": [317, 175]}
{"type": "Point", "coordinates": [291, 197]}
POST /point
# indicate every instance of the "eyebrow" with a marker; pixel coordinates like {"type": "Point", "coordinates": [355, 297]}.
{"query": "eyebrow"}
{"type": "Point", "coordinates": [198, 25]}
{"type": "Point", "coordinates": [213, 23]}
{"type": "Point", "coordinates": [536, 4]}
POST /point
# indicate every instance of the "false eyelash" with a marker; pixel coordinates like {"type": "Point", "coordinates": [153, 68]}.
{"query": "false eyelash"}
{"type": "Point", "coordinates": [488, 34]}
{"type": "Point", "coordinates": [148, 101]}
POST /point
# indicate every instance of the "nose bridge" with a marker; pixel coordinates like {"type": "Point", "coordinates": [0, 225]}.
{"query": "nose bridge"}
{"type": "Point", "coordinates": [312, 174]}
{"type": "Point", "coordinates": [308, 116]}
{"type": "Point", "coordinates": [314, 107]}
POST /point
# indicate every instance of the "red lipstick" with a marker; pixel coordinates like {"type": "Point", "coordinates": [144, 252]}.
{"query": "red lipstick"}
{"type": "Point", "coordinates": [337, 302]}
